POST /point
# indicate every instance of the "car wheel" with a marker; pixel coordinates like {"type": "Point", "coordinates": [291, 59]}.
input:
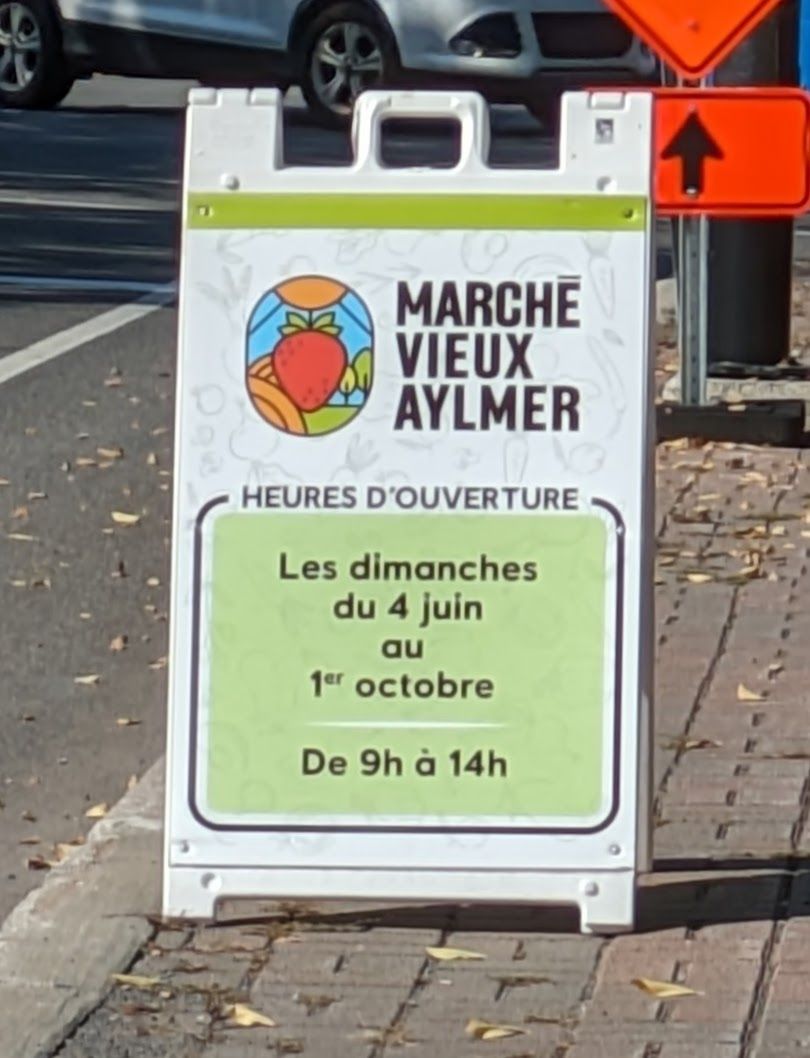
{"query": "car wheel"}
{"type": "Point", "coordinates": [344, 51]}
{"type": "Point", "coordinates": [33, 72]}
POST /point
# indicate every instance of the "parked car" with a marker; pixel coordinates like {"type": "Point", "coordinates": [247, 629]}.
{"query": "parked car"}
{"type": "Point", "coordinates": [513, 50]}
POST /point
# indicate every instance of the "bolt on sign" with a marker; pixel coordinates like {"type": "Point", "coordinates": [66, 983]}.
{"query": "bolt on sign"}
{"type": "Point", "coordinates": [693, 36]}
{"type": "Point", "coordinates": [411, 598]}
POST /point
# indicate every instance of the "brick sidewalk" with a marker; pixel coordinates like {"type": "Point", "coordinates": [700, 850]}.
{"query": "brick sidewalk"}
{"type": "Point", "coordinates": [726, 912]}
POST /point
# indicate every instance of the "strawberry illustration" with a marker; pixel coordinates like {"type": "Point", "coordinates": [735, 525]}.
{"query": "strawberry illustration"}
{"type": "Point", "coordinates": [310, 359]}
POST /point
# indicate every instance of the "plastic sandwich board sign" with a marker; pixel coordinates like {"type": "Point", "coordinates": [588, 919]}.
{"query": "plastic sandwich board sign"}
{"type": "Point", "coordinates": [411, 613]}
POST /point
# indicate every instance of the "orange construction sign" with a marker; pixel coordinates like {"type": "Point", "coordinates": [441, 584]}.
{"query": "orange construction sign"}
{"type": "Point", "coordinates": [692, 36]}
{"type": "Point", "coordinates": [741, 152]}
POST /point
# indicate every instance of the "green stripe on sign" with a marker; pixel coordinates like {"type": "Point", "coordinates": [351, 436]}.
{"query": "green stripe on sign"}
{"type": "Point", "coordinates": [464, 212]}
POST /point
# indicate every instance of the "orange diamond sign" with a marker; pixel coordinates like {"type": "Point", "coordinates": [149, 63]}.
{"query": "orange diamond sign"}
{"type": "Point", "coordinates": [693, 36]}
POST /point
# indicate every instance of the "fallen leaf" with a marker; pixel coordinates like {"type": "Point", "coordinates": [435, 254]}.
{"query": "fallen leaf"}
{"type": "Point", "coordinates": [160, 663]}
{"type": "Point", "coordinates": [775, 668]}
{"type": "Point", "coordinates": [663, 989]}
{"type": "Point", "coordinates": [4, 481]}
{"type": "Point", "coordinates": [137, 981]}
{"type": "Point", "coordinates": [247, 1018]}
{"type": "Point", "coordinates": [28, 816]}
{"type": "Point", "coordinates": [685, 744]}
{"type": "Point", "coordinates": [111, 453]}
{"type": "Point", "coordinates": [153, 582]}
{"type": "Point", "coordinates": [313, 1003]}
{"type": "Point", "coordinates": [132, 782]}
{"type": "Point", "coordinates": [20, 536]}
{"type": "Point", "coordinates": [746, 695]}
{"type": "Point", "coordinates": [488, 1030]}
{"type": "Point", "coordinates": [123, 518]}
{"type": "Point", "coordinates": [699, 578]}
{"type": "Point", "coordinates": [40, 582]}
{"type": "Point", "coordinates": [37, 863]}
{"type": "Point", "coordinates": [185, 966]}
{"type": "Point", "coordinates": [34, 840]}
{"type": "Point", "coordinates": [86, 461]}
{"type": "Point", "coordinates": [453, 954]}
{"type": "Point", "coordinates": [19, 512]}
{"type": "Point", "coordinates": [152, 459]}
{"type": "Point", "coordinates": [127, 721]}
{"type": "Point", "coordinates": [118, 644]}
{"type": "Point", "coordinates": [37, 496]}
{"type": "Point", "coordinates": [62, 850]}
{"type": "Point", "coordinates": [88, 681]}
{"type": "Point", "coordinates": [131, 1009]}
{"type": "Point", "coordinates": [522, 980]}
{"type": "Point", "coordinates": [98, 811]}
{"type": "Point", "coordinates": [113, 382]}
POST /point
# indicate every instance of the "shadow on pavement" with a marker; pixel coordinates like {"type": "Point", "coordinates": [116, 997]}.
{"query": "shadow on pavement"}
{"type": "Point", "coordinates": [748, 890]}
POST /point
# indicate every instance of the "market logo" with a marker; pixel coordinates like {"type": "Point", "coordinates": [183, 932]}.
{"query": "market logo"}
{"type": "Point", "coordinates": [310, 356]}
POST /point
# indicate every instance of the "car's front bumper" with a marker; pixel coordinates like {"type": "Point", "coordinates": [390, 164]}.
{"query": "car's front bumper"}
{"type": "Point", "coordinates": [474, 40]}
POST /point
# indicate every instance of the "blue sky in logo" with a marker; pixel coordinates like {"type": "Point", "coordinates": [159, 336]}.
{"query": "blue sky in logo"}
{"type": "Point", "coordinates": [351, 315]}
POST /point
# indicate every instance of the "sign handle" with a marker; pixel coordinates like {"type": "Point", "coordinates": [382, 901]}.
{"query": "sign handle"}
{"type": "Point", "coordinates": [469, 109]}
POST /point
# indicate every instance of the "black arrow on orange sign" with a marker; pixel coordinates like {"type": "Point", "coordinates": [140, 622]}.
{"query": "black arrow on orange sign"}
{"type": "Point", "coordinates": [693, 144]}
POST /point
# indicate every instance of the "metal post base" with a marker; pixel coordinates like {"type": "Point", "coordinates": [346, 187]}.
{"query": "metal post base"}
{"type": "Point", "coordinates": [777, 423]}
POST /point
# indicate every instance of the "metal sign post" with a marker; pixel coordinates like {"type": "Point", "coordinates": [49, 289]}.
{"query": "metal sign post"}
{"type": "Point", "coordinates": [693, 317]}
{"type": "Point", "coordinates": [693, 291]}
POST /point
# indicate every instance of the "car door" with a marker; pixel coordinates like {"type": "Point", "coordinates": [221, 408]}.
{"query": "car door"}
{"type": "Point", "coordinates": [254, 23]}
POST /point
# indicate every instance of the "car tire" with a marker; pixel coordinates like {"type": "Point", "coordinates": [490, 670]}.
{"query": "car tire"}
{"type": "Point", "coordinates": [33, 70]}
{"type": "Point", "coordinates": [340, 39]}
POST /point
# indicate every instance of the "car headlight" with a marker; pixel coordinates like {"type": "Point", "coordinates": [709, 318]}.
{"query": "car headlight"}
{"type": "Point", "coordinates": [492, 36]}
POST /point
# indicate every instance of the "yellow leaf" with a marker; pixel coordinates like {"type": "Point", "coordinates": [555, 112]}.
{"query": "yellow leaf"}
{"type": "Point", "coordinates": [745, 695]}
{"type": "Point", "coordinates": [118, 644]}
{"type": "Point", "coordinates": [153, 582]}
{"type": "Point", "coordinates": [122, 518]}
{"type": "Point", "coordinates": [699, 578]}
{"type": "Point", "coordinates": [127, 721]}
{"type": "Point", "coordinates": [86, 461]}
{"type": "Point", "coordinates": [663, 989]}
{"type": "Point", "coordinates": [453, 954]}
{"type": "Point", "coordinates": [160, 663]}
{"type": "Point", "coordinates": [246, 1018]}
{"type": "Point", "coordinates": [136, 981]}
{"type": "Point", "coordinates": [20, 536]}
{"type": "Point", "coordinates": [98, 811]}
{"type": "Point", "coordinates": [487, 1030]}
{"type": "Point", "coordinates": [111, 453]}
{"type": "Point", "coordinates": [88, 681]}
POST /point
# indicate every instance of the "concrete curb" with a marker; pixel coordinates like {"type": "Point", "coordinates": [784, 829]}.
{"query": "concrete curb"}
{"type": "Point", "coordinates": [60, 945]}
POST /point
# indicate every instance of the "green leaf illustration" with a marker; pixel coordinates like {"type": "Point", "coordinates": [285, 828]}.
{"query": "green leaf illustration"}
{"type": "Point", "coordinates": [363, 368]}
{"type": "Point", "coordinates": [297, 321]}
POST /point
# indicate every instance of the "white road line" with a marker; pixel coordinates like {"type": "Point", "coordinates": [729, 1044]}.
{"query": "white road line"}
{"type": "Point", "coordinates": [63, 284]}
{"type": "Point", "coordinates": [55, 345]}
{"type": "Point", "coordinates": [40, 200]}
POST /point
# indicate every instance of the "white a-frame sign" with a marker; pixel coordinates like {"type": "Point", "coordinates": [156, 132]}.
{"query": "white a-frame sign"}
{"type": "Point", "coordinates": [411, 600]}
